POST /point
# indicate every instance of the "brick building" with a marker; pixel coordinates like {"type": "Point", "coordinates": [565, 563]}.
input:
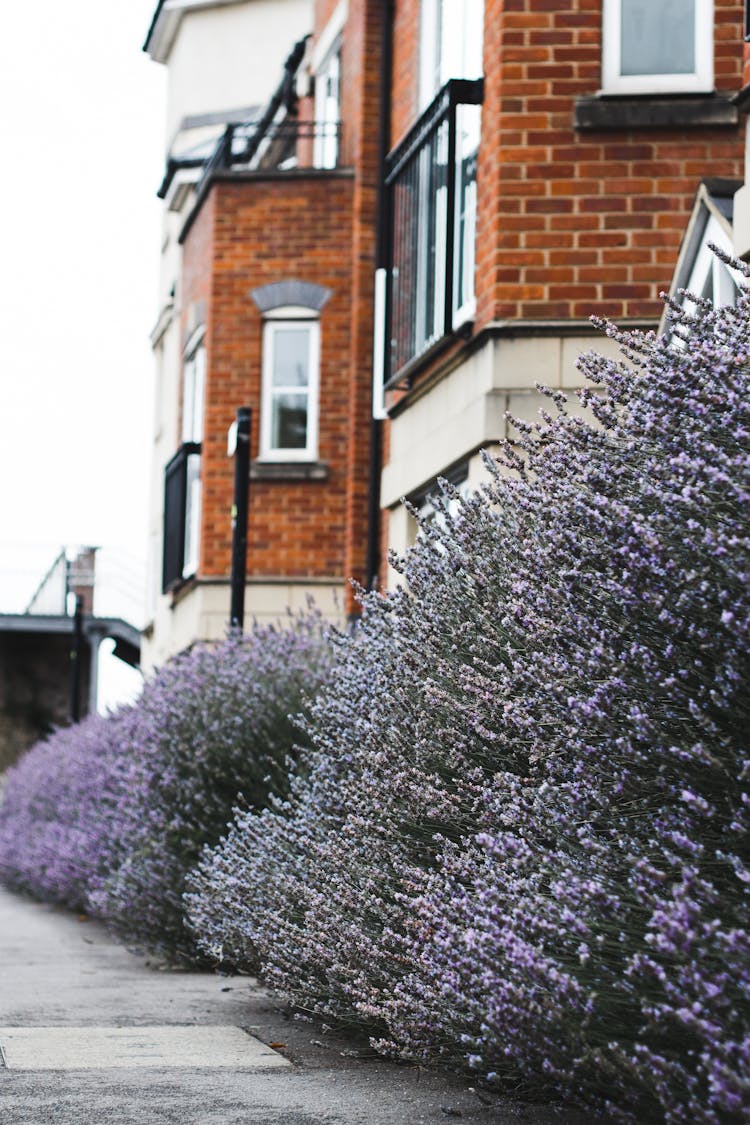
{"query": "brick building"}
{"type": "Point", "coordinates": [402, 237]}
{"type": "Point", "coordinates": [598, 120]}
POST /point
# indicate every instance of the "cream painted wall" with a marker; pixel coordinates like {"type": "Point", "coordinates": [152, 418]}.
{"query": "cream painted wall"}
{"type": "Point", "coordinates": [231, 56]}
{"type": "Point", "coordinates": [203, 613]}
{"type": "Point", "coordinates": [466, 412]}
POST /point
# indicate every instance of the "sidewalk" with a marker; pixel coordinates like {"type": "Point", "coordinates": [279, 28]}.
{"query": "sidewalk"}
{"type": "Point", "coordinates": [92, 1034]}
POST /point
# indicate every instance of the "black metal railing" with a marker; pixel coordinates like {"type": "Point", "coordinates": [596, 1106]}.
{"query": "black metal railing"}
{"type": "Point", "coordinates": [176, 512]}
{"type": "Point", "coordinates": [278, 146]}
{"type": "Point", "coordinates": [430, 192]}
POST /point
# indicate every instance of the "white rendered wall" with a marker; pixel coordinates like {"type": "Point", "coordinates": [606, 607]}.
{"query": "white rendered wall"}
{"type": "Point", "coordinates": [231, 56]}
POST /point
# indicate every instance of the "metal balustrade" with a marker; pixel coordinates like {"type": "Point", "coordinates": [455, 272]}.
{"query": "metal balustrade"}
{"type": "Point", "coordinates": [430, 182]}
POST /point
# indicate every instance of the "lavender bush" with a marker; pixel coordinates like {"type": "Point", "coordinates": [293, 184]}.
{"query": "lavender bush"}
{"type": "Point", "coordinates": [109, 815]}
{"type": "Point", "coordinates": [519, 842]}
{"type": "Point", "coordinates": [56, 805]}
{"type": "Point", "coordinates": [215, 728]}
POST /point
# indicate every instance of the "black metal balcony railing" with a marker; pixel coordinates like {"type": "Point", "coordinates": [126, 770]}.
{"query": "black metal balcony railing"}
{"type": "Point", "coordinates": [177, 510]}
{"type": "Point", "coordinates": [430, 181]}
{"type": "Point", "coordinates": [279, 146]}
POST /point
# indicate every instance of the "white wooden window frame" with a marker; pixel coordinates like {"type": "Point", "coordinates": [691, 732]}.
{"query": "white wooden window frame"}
{"type": "Point", "coordinates": [193, 386]}
{"type": "Point", "coordinates": [327, 109]}
{"type": "Point", "coordinates": [450, 44]}
{"type": "Point", "coordinates": [193, 405]}
{"type": "Point", "coordinates": [700, 81]}
{"type": "Point", "coordinates": [274, 320]}
{"type": "Point", "coordinates": [725, 282]}
{"type": "Point", "coordinates": [193, 494]}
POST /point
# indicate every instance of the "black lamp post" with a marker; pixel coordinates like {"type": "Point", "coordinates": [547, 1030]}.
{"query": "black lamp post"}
{"type": "Point", "coordinates": [241, 450]}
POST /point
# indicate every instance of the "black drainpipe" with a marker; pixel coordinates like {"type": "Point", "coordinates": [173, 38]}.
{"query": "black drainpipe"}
{"type": "Point", "coordinates": [382, 241]}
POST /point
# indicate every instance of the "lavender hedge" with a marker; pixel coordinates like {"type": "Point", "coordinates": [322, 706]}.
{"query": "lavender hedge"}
{"type": "Point", "coordinates": [56, 803]}
{"type": "Point", "coordinates": [215, 728]}
{"type": "Point", "coordinates": [111, 814]}
{"type": "Point", "coordinates": [519, 843]}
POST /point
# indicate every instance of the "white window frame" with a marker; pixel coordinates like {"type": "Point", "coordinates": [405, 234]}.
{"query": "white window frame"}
{"type": "Point", "coordinates": [193, 386]}
{"type": "Point", "coordinates": [468, 130]}
{"type": "Point", "coordinates": [193, 497]}
{"type": "Point", "coordinates": [700, 81]}
{"type": "Point", "coordinates": [327, 110]}
{"type": "Point", "coordinates": [274, 320]}
{"type": "Point", "coordinates": [452, 53]}
{"type": "Point", "coordinates": [725, 282]}
{"type": "Point", "coordinates": [193, 406]}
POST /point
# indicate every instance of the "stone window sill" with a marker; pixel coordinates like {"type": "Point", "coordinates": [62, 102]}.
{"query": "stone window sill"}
{"type": "Point", "coordinates": [602, 112]}
{"type": "Point", "coordinates": [288, 470]}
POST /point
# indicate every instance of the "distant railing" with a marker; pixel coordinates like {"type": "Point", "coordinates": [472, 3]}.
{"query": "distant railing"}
{"type": "Point", "coordinates": [110, 580]}
{"type": "Point", "coordinates": [276, 146]}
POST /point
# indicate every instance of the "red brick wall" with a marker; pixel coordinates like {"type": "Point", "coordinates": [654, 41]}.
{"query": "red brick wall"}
{"type": "Point", "coordinates": [250, 233]}
{"type": "Point", "coordinates": [405, 85]}
{"type": "Point", "coordinates": [573, 222]}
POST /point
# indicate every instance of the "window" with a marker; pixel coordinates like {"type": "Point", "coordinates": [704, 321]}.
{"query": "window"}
{"type": "Point", "coordinates": [182, 475]}
{"type": "Point", "coordinates": [193, 383]}
{"type": "Point", "coordinates": [710, 277]}
{"type": "Point", "coordinates": [431, 196]}
{"type": "Point", "coordinates": [431, 193]}
{"type": "Point", "coordinates": [194, 378]}
{"type": "Point", "coordinates": [289, 407]}
{"type": "Point", "coordinates": [429, 502]}
{"type": "Point", "coordinates": [327, 110]}
{"type": "Point", "coordinates": [658, 46]}
{"type": "Point", "coordinates": [451, 37]}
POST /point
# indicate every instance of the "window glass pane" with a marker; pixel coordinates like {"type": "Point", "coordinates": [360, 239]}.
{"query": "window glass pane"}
{"type": "Point", "coordinates": [291, 356]}
{"type": "Point", "coordinates": [460, 39]}
{"type": "Point", "coordinates": [289, 421]}
{"type": "Point", "coordinates": [658, 36]}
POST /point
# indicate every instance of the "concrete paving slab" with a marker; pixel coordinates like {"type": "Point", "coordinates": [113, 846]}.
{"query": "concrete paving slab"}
{"type": "Point", "coordinates": [63, 972]}
{"type": "Point", "coordinates": [101, 1048]}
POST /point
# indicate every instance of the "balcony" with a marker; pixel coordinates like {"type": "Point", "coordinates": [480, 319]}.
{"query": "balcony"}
{"type": "Point", "coordinates": [277, 146]}
{"type": "Point", "coordinates": [430, 187]}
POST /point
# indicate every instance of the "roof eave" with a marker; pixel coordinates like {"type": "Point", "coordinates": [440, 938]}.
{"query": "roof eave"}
{"type": "Point", "coordinates": [162, 32]}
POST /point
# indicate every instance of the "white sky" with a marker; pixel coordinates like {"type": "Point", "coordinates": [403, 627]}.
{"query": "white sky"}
{"type": "Point", "coordinates": [82, 135]}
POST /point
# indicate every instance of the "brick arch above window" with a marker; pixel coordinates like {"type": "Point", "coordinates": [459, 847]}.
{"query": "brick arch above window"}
{"type": "Point", "coordinates": [299, 294]}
